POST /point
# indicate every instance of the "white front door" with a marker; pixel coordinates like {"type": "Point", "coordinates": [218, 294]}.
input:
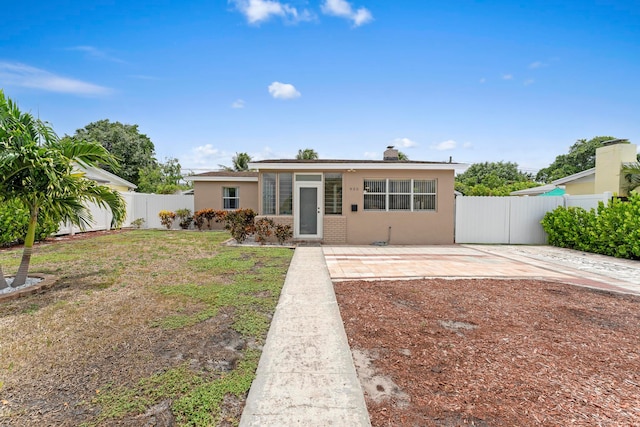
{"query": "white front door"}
{"type": "Point", "coordinates": [308, 209]}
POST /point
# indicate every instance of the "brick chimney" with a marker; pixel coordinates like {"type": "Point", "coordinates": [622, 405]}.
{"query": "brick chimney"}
{"type": "Point", "coordinates": [390, 154]}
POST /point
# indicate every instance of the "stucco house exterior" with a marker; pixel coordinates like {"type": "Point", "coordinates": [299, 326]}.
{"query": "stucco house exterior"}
{"type": "Point", "coordinates": [344, 201]}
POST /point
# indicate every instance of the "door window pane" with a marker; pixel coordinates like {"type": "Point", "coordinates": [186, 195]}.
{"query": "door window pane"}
{"type": "Point", "coordinates": [308, 210]}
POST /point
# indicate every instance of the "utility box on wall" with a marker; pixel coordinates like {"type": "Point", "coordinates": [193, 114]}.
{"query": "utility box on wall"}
{"type": "Point", "coordinates": [354, 208]}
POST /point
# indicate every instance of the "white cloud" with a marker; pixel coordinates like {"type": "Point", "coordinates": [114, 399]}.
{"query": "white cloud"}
{"type": "Point", "coordinates": [537, 64]}
{"type": "Point", "coordinates": [257, 11]}
{"type": "Point", "coordinates": [204, 156]}
{"type": "Point", "coordinates": [404, 143]}
{"type": "Point", "coordinates": [445, 145]}
{"type": "Point", "coordinates": [467, 145]}
{"type": "Point", "coordinates": [96, 53]}
{"type": "Point", "coordinates": [483, 80]}
{"type": "Point", "coordinates": [238, 103]}
{"type": "Point", "coordinates": [17, 74]}
{"type": "Point", "coordinates": [343, 9]}
{"type": "Point", "coordinates": [283, 91]}
{"type": "Point", "coordinates": [529, 82]}
{"type": "Point", "coordinates": [507, 77]}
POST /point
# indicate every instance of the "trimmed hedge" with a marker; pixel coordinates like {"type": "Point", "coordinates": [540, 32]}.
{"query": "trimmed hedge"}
{"type": "Point", "coordinates": [611, 230]}
{"type": "Point", "coordinates": [14, 221]}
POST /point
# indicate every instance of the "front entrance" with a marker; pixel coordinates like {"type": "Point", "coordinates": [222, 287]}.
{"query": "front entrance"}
{"type": "Point", "coordinates": [308, 207]}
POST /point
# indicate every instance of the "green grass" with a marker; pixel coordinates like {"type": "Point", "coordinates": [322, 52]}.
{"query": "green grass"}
{"type": "Point", "coordinates": [192, 278]}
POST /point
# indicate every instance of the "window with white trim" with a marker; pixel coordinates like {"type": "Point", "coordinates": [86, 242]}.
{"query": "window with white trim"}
{"type": "Point", "coordinates": [231, 198]}
{"type": "Point", "coordinates": [400, 195]}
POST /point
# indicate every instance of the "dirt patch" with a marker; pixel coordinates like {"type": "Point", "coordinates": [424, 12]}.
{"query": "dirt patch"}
{"type": "Point", "coordinates": [493, 352]}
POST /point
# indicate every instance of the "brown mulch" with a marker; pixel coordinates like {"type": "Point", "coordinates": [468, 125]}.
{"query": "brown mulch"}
{"type": "Point", "coordinates": [494, 352]}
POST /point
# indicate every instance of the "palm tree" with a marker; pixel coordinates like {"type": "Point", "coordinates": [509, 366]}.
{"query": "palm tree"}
{"type": "Point", "coordinates": [631, 174]}
{"type": "Point", "coordinates": [307, 154]}
{"type": "Point", "coordinates": [37, 168]}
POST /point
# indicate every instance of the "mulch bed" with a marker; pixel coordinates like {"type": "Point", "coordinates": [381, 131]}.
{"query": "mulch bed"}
{"type": "Point", "coordinates": [494, 352]}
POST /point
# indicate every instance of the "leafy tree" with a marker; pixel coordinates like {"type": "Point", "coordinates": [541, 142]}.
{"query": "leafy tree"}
{"type": "Point", "coordinates": [581, 156]}
{"type": "Point", "coordinates": [132, 149]}
{"type": "Point", "coordinates": [37, 168]}
{"type": "Point", "coordinates": [161, 178]}
{"type": "Point", "coordinates": [402, 156]}
{"type": "Point", "coordinates": [489, 176]}
{"type": "Point", "coordinates": [307, 154]}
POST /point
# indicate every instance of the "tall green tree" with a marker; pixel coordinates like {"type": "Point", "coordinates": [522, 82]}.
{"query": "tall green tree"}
{"type": "Point", "coordinates": [402, 156]}
{"type": "Point", "coordinates": [581, 156]}
{"type": "Point", "coordinates": [307, 154]}
{"type": "Point", "coordinates": [161, 178]}
{"type": "Point", "coordinates": [133, 150]}
{"type": "Point", "coordinates": [37, 168]}
{"type": "Point", "coordinates": [493, 179]}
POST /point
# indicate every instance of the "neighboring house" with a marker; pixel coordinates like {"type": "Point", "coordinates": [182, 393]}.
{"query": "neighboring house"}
{"type": "Point", "coordinates": [344, 201]}
{"type": "Point", "coordinates": [103, 177]}
{"type": "Point", "coordinates": [605, 177]}
{"type": "Point", "coordinates": [543, 190]}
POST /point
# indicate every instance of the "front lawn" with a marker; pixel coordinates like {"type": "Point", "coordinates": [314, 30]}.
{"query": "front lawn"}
{"type": "Point", "coordinates": [142, 327]}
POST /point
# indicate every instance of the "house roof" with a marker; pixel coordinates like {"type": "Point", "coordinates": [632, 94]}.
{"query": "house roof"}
{"type": "Point", "coordinates": [104, 177]}
{"type": "Point", "coordinates": [584, 176]}
{"type": "Point", "coordinates": [241, 176]}
{"type": "Point", "coordinates": [333, 164]}
{"type": "Point", "coordinates": [534, 191]}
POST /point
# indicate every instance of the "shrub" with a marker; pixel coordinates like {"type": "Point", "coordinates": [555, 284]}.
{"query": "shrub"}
{"type": "Point", "coordinates": [283, 233]}
{"type": "Point", "coordinates": [137, 223]}
{"type": "Point", "coordinates": [14, 220]}
{"type": "Point", "coordinates": [264, 228]}
{"type": "Point", "coordinates": [610, 230]}
{"type": "Point", "coordinates": [240, 223]}
{"type": "Point", "coordinates": [198, 219]}
{"type": "Point", "coordinates": [185, 218]}
{"type": "Point", "coordinates": [167, 218]}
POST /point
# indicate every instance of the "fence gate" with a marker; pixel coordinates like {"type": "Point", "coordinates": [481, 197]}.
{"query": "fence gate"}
{"type": "Point", "coordinates": [503, 220]}
{"type": "Point", "coordinates": [512, 220]}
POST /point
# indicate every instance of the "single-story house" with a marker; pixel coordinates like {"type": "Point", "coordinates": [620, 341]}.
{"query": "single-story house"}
{"type": "Point", "coordinates": [343, 201]}
{"type": "Point", "coordinates": [605, 177]}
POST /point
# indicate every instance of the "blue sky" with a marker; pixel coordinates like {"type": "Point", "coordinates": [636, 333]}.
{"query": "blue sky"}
{"type": "Point", "coordinates": [475, 80]}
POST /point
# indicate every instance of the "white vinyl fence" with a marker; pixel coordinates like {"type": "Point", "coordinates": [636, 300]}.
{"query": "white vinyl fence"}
{"type": "Point", "coordinates": [139, 205]}
{"type": "Point", "coordinates": [511, 220]}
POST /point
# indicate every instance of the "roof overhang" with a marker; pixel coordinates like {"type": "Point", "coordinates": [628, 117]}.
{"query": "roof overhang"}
{"type": "Point", "coordinates": [355, 166]}
{"type": "Point", "coordinates": [584, 176]}
{"type": "Point", "coordinates": [222, 178]}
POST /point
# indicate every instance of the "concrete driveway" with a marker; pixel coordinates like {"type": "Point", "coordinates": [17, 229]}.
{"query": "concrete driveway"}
{"type": "Point", "coordinates": [482, 261]}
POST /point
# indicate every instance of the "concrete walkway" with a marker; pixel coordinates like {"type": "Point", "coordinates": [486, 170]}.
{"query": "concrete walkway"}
{"type": "Point", "coordinates": [306, 375]}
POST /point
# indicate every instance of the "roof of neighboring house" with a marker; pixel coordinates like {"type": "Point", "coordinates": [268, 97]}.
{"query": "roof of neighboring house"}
{"type": "Point", "coordinates": [333, 164]}
{"type": "Point", "coordinates": [102, 176]}
{"type": "Point", "coordinates": [534, 191]}
{"type": "Point", "coordinates": [584, 176]}
{"type": "Point", "coordinates": [224, 176]}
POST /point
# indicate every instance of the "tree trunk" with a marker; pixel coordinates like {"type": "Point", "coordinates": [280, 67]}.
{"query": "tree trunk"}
{"type": "Point", "coordinates": [3, 282]}
{"type": "Point", "coordinates": [21, 275]}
